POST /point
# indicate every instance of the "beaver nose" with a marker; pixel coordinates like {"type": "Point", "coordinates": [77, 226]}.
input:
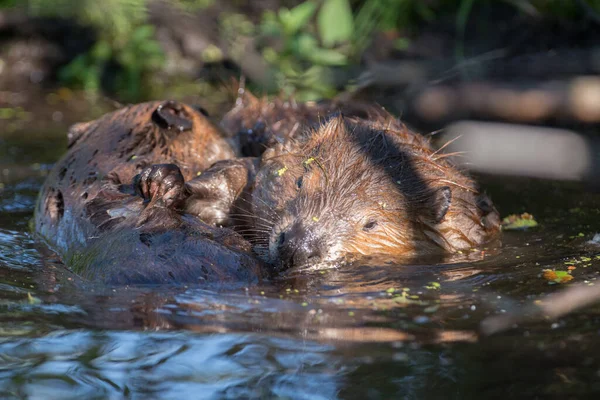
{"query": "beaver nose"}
{"type": "Point", "coordinates": [299, 246]}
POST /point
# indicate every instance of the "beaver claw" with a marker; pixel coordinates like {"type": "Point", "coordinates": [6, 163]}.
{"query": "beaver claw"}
{"type": "Point", "coordinates": [161, 184]}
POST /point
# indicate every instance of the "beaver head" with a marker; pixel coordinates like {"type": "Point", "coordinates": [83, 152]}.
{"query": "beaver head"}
{"type": "Point", "coordinates": [127, 140]}
{"type": "Point", "coordinates": [351, 186]}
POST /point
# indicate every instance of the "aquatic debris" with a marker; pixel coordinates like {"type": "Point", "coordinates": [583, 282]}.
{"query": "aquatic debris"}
{"type": "Point", "coordinates": [404, 297]}
{"type": "Point", "coordinates": [554, 277]}
{"type": "Point", "coordinates": [431, 309]}
{"type": "Point", "coordinates": [281, 171]}
{"type": "Point", "coordinates": [582, 261]}
{"type": "Point", "coordinates": [433, 286]}
{"type": "Point", "coordinates": [518, 222]}
{"type": "Point", "coordinates": [32, 299]}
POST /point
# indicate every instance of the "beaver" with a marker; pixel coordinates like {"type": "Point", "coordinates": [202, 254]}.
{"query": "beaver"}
{"type": "Point", "coordinates": [346, 185]}
{"type": "Point", "coordinates": [258, 123]}
{"type": "Point", "coordinates": [110, 206]}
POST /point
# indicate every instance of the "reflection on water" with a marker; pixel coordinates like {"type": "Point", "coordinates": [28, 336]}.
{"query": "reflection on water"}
{"type": "Point", "coordinates": [83, 364]}
{"type": "Point", "coordinates": [354, 332]}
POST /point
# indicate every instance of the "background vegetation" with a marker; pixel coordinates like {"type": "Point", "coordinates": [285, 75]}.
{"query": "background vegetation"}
{"type": "Point", "coordinates": [306, 47]}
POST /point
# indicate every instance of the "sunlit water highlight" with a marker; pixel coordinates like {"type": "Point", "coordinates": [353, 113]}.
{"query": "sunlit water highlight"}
{"type": "Point", "coordinates": [352, 332]}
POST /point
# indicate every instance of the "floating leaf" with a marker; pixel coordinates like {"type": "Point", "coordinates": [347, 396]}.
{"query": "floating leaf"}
{"type": "Point", "coordinates": [32, 299]}
{"type": "Point", "coordinates": [516, 222]}
{"type": "Point", "coordinates": [433, 286]}
{"type": "Point", "coordinates": [557, 276]}
{"type": "Point", "coordinates": [431, 309]}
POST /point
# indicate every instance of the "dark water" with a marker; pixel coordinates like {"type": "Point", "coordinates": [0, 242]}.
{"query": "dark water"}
{"type": "Point", "coordinates": [352, 333]}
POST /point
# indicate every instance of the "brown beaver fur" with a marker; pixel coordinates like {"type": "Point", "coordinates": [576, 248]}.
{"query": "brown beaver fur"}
{"type": "Point", "coordinates": [107, 229]}
{"type": "Point", "coordinates": [260, 123]}
{"type": "Point", "coordinates": [347, 185]}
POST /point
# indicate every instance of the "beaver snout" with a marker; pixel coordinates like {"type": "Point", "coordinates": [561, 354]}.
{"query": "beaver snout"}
{"type": "Point", "coordinates": [299, 245]}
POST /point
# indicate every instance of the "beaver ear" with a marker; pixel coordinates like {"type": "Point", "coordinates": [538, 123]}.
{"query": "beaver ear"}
{"type": "Point", "coordinates": [76, 132]}
{"type": "Point", "coordinates": [441, 200]}
{"type": "Point", "coordinates": [172, 116]}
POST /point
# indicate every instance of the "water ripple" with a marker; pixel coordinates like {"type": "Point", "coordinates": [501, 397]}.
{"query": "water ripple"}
{"type": "Point", "coordinates": [77, 364]}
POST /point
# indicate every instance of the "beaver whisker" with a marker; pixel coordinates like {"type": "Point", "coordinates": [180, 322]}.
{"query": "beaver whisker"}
{"type": "Point", "coordinates": [449, 182]}
{"type": "Point", "coordinates": [257, 228]}
{"type": "Point", "coordinates": [251, 232]}
{"type": "Point", "coordinates": [254, 217]}
{"type": "Point", "coordinates": [269, 208]}
{"type": "Point", "coordinates": [448, 143]}
{"type": "Point", "coordinates": [433, 133]}
{"type": "Point", "coordinates": [259, 245]}
{"type": "Point", "coordinates": [453, 154]}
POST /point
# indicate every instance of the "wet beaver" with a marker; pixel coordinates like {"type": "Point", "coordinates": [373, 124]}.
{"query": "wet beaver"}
{"type": "Point", "coordinates": [259, 123]}
{"type": "Point", "coordinates": [108, 229]}
{"type": "Point", "coordinates": [256, 124]}
{"type": "Point", "coordinates": [347, 185]}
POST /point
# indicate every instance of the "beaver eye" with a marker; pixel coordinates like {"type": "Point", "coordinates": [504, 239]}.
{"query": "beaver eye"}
{"type": "Point", "coordinates": [299, 183]}
{"type": "Point", "coordinates": [370, 225]}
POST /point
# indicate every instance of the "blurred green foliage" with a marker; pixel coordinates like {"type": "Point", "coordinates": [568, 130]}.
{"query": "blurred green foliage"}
{"type": "Point", "coordinates": [137, 59]}
{"type": "Point", "coordinates": [310, 39]}
{"type": "Point", "coordinates": [8, 3]}
{"type": "Point", "coordinates": [318, 37]}
{"type": "Point", "coordinates": [305, 45]}
{"type": "Point", "coordinates": [309, 43]}
{"type": "Point", "coordinates": [124, 41]}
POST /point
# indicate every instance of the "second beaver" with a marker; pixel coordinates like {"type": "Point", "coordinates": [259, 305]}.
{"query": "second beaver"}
{"type": "Point", "coordinates": [347, 185]}
{"type": "Point", "coordinates": [107, 229]}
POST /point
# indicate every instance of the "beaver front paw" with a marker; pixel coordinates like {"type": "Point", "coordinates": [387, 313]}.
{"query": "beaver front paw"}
{"type": "Point", "coordinates": [161, 184]}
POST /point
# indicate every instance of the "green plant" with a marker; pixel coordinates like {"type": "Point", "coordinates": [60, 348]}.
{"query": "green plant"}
{"type": "Point", "coordinates": [124, 41]}
{"type": "Point", "coordinates": [8, 3]}
{"type": "Point", "coordinates": [193, 5]}
{"type": "Point", "coordinates": [304, 43]}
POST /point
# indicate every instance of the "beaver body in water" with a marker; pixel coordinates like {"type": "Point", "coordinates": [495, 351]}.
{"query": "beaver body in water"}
{"type": "Point", "coordinates": [112, 213]}
{"type": "Point", "coordinates": [341, 185]}
{"type": "Point", "coordinates": [116, 207]}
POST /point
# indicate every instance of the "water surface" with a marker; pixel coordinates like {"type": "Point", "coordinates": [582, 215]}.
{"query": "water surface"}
{"type": "Point", "coordinates": [353, 332]}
